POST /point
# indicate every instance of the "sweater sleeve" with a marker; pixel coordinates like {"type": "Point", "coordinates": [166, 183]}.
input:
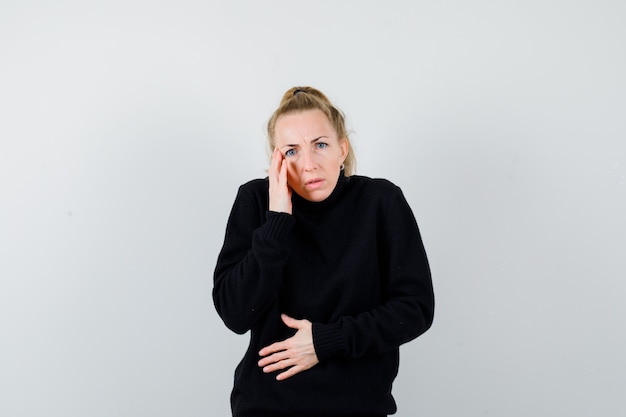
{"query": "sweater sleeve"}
{"type": "Point", "coordinates": [249, 267]}
{"type": "Point", "coordinates": [407, 306]}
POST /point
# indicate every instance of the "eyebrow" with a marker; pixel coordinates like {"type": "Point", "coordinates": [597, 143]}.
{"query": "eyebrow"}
{"type": "Point", "coordinates": [296, 145]}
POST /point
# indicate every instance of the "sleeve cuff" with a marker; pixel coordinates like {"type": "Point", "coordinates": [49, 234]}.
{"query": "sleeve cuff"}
{"type": "Point", "coordinates": [328, 340]}
{"type": "Point", "coordinates": [278, 225]}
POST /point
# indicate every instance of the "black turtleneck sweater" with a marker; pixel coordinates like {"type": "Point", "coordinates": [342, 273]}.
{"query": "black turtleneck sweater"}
{"type": "Point", "coordinates": [354, 265]}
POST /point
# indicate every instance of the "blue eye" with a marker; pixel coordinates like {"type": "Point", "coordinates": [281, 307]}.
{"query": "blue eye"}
{"type": "Point", "coordinates": [321, 145]}
{"type": "Point", "coordinates": [290, 152]}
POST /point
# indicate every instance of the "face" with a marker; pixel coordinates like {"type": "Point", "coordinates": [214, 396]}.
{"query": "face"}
{"type": "Point", "coordinates": [313, 153]}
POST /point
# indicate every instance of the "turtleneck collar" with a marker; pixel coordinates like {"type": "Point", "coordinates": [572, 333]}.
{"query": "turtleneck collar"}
{"type": "Point", "coordinates": [302, 203]}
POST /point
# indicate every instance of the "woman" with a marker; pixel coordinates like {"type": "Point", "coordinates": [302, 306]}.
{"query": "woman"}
{"type": "Point", "coordinates": [325, 268]}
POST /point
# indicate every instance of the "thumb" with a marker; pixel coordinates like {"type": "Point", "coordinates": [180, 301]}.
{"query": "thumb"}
{"type": "Point", "coordinates": [289, 321]}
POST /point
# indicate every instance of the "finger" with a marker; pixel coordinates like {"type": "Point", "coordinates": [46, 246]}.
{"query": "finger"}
{"type": "Point", "coordinates": [286, 319]}
{"type": "Point", "coordinates": [283, 172]}
{"type": "Point", "coordinates": [276, 357]}
{"type": "Point", "coordinates": [282, 169]}
{"type": "Point", "coordinates": [289, 373]}
{"type": "Point", "coordinates": [279, 366]}
{"type": "Point", "coordinates": [273, 169]}
{"type": "Point", "coordinates": [278, 155]}
{"type": "Point", "coordinates": [291, 322]}
{"type": "Point", "coordinates": [273, 348]}
{"type": "Point", "coordinates": [276, 161]}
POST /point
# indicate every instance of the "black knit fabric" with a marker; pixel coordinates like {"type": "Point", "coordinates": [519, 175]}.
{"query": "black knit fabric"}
{"type": "Point", "coordinates": [354, 265]}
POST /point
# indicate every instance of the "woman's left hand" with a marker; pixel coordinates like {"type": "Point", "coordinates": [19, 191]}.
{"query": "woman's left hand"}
{"type": "Point", "coordinates": [295, 354]}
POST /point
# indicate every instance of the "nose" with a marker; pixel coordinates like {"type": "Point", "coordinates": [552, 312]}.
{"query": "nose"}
{"type": "Point", "coordinates": [308, 162]}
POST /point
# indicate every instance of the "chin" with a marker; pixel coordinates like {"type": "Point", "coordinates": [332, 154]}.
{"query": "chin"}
{"type": "Point", "coordinates": [316, 196]}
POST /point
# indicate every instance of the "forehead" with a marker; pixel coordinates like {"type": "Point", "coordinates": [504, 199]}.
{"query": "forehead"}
{"type": "Point", "coordinates": [306, 125]}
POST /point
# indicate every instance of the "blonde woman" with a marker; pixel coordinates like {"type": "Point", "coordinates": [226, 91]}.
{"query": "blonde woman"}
{"type": "Point", "coordinates": [327, 271]}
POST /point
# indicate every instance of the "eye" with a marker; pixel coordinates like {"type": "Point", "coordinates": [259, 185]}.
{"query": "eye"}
{"type": "Point", "coordinates": [290, 152]}
{"type": "Point", "coordinates": [321, 145]}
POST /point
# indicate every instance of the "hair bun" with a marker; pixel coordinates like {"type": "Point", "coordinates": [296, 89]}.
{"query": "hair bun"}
{"type": "Point", "coordinates": [293, 92]}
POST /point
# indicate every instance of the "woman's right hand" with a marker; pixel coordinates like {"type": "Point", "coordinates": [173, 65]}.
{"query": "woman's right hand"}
{"type": "Point", "coordinates": [280, 192]}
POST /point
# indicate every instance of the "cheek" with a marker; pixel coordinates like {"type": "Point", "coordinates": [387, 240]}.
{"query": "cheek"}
{"type": "Point", "coordinates": [292, 173]}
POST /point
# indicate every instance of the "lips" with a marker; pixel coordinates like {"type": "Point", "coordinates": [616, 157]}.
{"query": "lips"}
{"type": "Point", "coordinates": [314, 183]}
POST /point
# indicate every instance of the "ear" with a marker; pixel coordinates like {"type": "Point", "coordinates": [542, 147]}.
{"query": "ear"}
{"type": "Point", "coordinates": [344, 145]}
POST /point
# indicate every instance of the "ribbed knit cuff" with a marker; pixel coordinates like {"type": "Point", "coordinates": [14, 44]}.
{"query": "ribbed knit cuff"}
{"type": "Point", "coordinates": [328, 340]}
{"type": "Point", "coordinates": [278, 225]}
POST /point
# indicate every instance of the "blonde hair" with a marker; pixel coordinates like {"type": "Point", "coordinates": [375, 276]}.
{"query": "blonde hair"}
{"type": "Point", "coordinates": [299, 99]}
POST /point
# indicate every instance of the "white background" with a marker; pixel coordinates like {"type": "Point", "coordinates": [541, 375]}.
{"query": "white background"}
{"type": "Point", "coordinates": [127, 126]}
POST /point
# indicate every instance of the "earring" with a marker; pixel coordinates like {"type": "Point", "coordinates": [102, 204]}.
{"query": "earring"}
{"type": "Point", "coordinates": [342, 167]}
